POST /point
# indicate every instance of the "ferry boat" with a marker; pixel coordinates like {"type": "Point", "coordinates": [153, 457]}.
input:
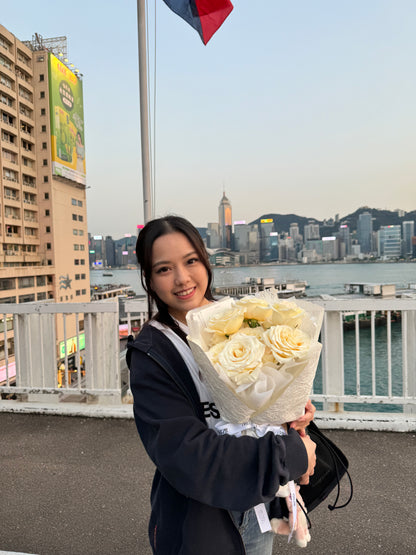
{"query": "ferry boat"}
{"type": "Point", "coordinates": [251, 286]}
{"type": "Point", "coordinates": [101, 292]}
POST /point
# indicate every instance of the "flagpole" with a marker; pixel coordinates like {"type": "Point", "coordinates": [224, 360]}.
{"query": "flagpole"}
{"type": "Point", "coordinates": [144, 111]}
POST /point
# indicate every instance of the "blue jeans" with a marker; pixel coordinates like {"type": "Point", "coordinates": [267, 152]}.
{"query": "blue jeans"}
{"type": "Point", "coordinates": [254, 541]}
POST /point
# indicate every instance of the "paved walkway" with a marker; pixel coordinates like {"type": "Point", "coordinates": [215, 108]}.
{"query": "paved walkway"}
{"type": "Point", "coordinates": [80, 486]}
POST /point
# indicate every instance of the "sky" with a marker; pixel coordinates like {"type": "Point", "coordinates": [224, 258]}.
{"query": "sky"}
{"type": "Point", "coordinates": [304, 107]}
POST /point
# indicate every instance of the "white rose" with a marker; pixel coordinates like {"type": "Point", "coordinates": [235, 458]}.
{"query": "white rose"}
{"type": "Point", "coordinates": [241, 358]}
{"type": "Point", "coordinates": [286, 313]}
{"type": "Point", "coordinates": [214, 351]}
{"type": "Point", "coordinates": [286, 343]}
{"type": "Point", "coordinates": [255, 309]}
{"type": "Point", "coordinates": [227, 322]}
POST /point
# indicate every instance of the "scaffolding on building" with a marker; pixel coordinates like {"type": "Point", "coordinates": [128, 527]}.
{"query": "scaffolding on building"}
{"type": "Point", "coordinates": [56, 45]}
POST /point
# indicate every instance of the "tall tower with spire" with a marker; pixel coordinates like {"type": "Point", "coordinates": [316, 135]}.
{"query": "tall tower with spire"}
{"type": "Point", "coordinates": [225, 221]}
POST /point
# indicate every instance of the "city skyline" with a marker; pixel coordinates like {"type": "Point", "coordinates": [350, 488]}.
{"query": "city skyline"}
{"type": "Point", "coordinates": [327, 223]}
{"type": "Point", "coordinates": [302, 111]}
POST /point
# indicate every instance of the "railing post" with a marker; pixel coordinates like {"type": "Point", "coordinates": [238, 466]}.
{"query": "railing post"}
{"type": "Point", "coordinates": [409, 363]}
{"type": "Point", "coordinates": [332, 358]}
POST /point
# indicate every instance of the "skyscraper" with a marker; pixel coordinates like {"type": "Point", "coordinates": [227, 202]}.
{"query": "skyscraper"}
{"type": "Point", "coordinates": [225, 222]}
{"type": "Point", "coordinates": [365, 231]}
{"type": "Point", "coordinates": [408, 233]}
{"type": "Point", "coordinates": [389, 241]}
{"type": "Point", "coordinates": [345, 240]}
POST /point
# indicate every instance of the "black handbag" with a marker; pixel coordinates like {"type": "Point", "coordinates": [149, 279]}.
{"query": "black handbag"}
{"type": "Point", "coordinates": [331, 465]}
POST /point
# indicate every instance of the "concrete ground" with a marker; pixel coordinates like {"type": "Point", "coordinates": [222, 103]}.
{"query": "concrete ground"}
{"type": "Point", "coordinates": [80, 486]}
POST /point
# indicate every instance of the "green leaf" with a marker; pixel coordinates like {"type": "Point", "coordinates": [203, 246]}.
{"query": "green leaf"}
{"type": "Point", "coordinates": [252, 322]}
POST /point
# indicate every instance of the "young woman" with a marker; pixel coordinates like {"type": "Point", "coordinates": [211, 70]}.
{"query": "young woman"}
{"type": "Point", "coordinates": [205, 485]}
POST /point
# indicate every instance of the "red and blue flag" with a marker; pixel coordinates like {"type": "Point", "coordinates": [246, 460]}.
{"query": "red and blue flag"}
{"type": "Point", "coordinates": [206, 16]}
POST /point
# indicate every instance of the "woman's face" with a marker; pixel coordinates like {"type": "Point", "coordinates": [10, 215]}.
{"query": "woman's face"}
{"type": "Point", "coordinates": [179, 278]}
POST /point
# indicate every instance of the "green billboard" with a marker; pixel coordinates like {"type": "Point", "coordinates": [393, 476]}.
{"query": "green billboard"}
{"type": "Point", "coordinates": [67, 122]}
{"type": "Point", "coordinates": [72, 345]}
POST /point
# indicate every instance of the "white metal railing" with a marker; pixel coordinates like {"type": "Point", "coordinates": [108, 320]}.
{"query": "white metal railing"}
{"type": "Point", "coordinates": [40, 368]}
{"type": "Point", "coordinates": [369, 372]}
{"type": "Point", "coordinates": [366, 374]}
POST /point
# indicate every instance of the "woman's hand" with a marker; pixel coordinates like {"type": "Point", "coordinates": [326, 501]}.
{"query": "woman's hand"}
{"type": "Point", "coordinates": [310, 447]}
{"type": "Point", "coordinates": [301, 423]}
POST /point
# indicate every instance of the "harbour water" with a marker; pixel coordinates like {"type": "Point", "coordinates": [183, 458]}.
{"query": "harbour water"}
{"type": "Point", "coordinates": [321, 278]}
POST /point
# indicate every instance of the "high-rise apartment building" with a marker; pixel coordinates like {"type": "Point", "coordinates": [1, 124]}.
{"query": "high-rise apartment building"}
{"type": "Point", "coordinates": [43, 213]}
{"type": "Point", "coordinates": [311, 231]}
{"type": "Point", "coordinates": [43, 216]}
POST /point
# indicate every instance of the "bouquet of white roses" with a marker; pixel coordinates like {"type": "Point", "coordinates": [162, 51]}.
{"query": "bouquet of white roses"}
{"type": "Point", "coordinates": [258, 355]}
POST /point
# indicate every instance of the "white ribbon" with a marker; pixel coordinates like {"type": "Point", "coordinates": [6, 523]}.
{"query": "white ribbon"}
{"type": "Point", "coordinates": [248, 428]}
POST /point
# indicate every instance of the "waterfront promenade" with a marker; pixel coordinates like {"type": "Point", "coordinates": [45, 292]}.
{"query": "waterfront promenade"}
{"type": "Point", "coordinates": [80, 486]}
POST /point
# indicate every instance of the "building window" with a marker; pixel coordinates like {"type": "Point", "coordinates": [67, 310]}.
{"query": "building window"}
{"type": "Point", "coordinates": [40, 281]}
{"type": "Point", "coordinates": [82, 262]}
{"type": "Point", "coordinates": [82, 247]}
{"type": "Point", "coordinates": [41, 296]}
{"type": "Point", "coordinates": [47, 213]}
{"type": "Point", "coordinates": [76, 247]}
{"type": "Point", "coordinates": [49, 246]}
{"type": "Point", "coordinates": [26, 298]}
{"type": "Point", "coordinates": [41, 77]}
{"type": "Point", "coordinates": [77, 276]}
{"type": "Point", "coordinates": [26, 282]}
{"type": "Point", "coordinates": [49, 262]}
{"type": "Point", "coordinates": [80, 232]}
{"type": "Point", "coordinates": [44, 146]}
{"type": "Point", "coordinates": [45, 179]}
{"type": "Point", "coordinates": [74, 201]}
{"type": "Point", "coordinates": [43, 111]}
{"type": "Point", "coordinates": [76, 262]}
{"type": "Point", "coordinates": [42, 94]}
{"type": "Point", "coordinates": [7, 283]}
{"type": "Point", "coordinates": [45, 162]}
{"type": "Point", "coordinates": [80, 203]}
{"type": "Point", "coordinates": [82, 276]}
{"type": "Point", "coordinates": [84, 291]}
{"type": "Point", "coordinates": [46, 196]}
{"type": "Point", "coordinates": [77, 292]}
{"type": "Point", "coordinates": [48, 229]}
{"type": "Point", "coordinates": [43, 128]}
{"type": "Point", "coordinates": [80, 218]}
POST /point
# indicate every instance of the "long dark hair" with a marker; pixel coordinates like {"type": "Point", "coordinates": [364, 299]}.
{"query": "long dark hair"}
{"type": "Point", "coordinates": [147, 236]}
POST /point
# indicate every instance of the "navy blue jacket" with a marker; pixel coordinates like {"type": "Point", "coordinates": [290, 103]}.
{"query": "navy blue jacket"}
{"type": "Point", "coordinates": [200, 475]}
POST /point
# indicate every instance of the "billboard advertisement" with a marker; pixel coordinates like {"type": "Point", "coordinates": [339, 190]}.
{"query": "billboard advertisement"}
{"type": "Point", "coordinates": [67, 122]}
